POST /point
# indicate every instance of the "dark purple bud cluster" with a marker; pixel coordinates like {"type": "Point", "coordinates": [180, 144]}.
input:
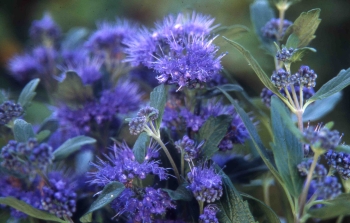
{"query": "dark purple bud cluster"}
{"type": "Point", "coordinates": [319, 172]}
{"type": "Point", "coordinates": [123, 167]}
{"type": "Point", "coordinates": [306, 76]}
{"type": "Point", "coordinates": [8, 111]}
{"type": "Point", "coordinates": [326, 188]}
{"type": "Point", "coordinates": [188, 146]}
{"type": "Point", "coordinates": [205, 184]}
{"type": "Point", "coordinates": [281, 79]}
{"type": "Point", "coordinates": [271, 29]}
{"type": "Point", "coordinates": [149, 112]}
{"type": "Point", "coordinates": [266, 94]}
{"type": "Point", "coordinates": [339, 161]}
{"type": "Point", "coordinates": [146, 114]}
{"type": "Point", "coordinates": [59, 197]}
{"type": "Point", "coordinates": [142, 205]}
{"type": "Point", "coordinates": [322, 137]}
{"type": "Point", "coordinates": [209, 214]}
{"type": "Point", "coordinates": [284, 54]}
{"type": "Point", "coordinates": [26, 158]}
{"type": "Point", "coordinates": [45, 30]}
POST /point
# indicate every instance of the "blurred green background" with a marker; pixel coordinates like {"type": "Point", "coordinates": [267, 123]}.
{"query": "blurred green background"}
{"type": "Point", "coordinates": [332, 42]}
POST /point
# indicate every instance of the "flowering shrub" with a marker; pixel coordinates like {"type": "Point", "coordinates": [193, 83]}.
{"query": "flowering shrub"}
{"type": "Point", "coordinates": [114, 150]}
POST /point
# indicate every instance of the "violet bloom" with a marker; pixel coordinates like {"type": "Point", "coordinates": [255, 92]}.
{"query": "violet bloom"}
{"type": "Point", "coordinates": [188, 146]}
{"type": "Point", "coordinates": [45, 30]}
{"type": "Point", "coordinates": [8, 111]}
{"type": "Point", "coordinates": [122, 166]}
{"type": "Point", "coordinates": [24, 67]}
{"type": "Point", "coordinates": [180, 55]}
{"type": "Point", "coordinates": [339, 161]}
{"type": "Point", "coordinates": [326, 188]}
{"type": "Point", "coordinates": [271, 29]}
{"type": "Point", "coordinates": [205, 184]}
{"type": "Point", "coordinates": [322, 137]}
{"type": "Point", "coordinates": [209, 214]}
{"type": "Point", "coordinates": [142, 205]}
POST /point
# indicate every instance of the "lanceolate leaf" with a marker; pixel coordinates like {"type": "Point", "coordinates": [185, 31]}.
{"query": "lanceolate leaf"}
{"type": "Point", "coordinates": [231, 205]}
{"type": "Point", "coordinates": [332, 208]}
{"type": "Point", "coordinates": [287, 149]}
{"type": "Point", "coordinates": [181, 193]}
{"type": "Point", "coordinates": [110, 192]}
{"type": "Point", "coordinates": [261, 13]}
{"type": "Point", "coordinates": [303, 29]}
{"type": "Point", "coordinates": [140, 147]}
{"type": "Point", "coordinates": [29, 210]}
{"type": "Point", "coordinates": [234, 31]}
{"type": "Point", "coordinates": [333, 86]}
{"type": "Point", "coordinates": [22, 130]}
{"type": "Point", "coordinates": [28, 93]}
{"type": "Point", "coordinates": [72, 145]}
{"type": "Point", "coordinates": [158, 100]}
{"type": "Point", "coordinates": [213, 131]}
{"type": "Point", "coordinates": [298, 54]}
{"type": "Point", "coordinates": [212, 92]}
{"type": "Point", "coordinates": [257, 69]}
{"type": "Point", "coordinates": [265, 211]}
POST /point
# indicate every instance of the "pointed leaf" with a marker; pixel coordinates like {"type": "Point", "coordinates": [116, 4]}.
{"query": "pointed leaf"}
{"type": "Point", "coordinates": [333, 86]}
{"type": "Point", "coordinates": [263, 152]}
{"type": "Point", "coordinates": [257, 69]}
{"type": "Point", "coordinates": [41, 136]}
{"type": "Point", "coordinates": [158, 100]}
{"type": "Point", "coordinates": [333, 208]}
{"type": "Point", "coordinates": [74, 37]}
{"type": "Point", "coordinates": [140, 147]}
{"type": "Point", "coordinates": [261, 13]}
{"type": "Point", "coordinates": [298, 54]}
{"type": "Point", "coordinates": [287, 149]}
{"type": "Point", "coordinates": [265, 211]}
{"type": "Point", "coordinates": [49, 124]}
{"type": "Point", "coordinates": [231, 205]}
{"type": "Point", "coordinates": [28, 93]}
{"type": "Point", "coordinates": [343, 148]}
{"type": "Point", "coordinates": [29, 210]}
{"type": "Point", "coordinates": [72, 145]}
{"type": "Point", "coordinates": [181, 193]}
{"type": "Point", "coordinates": [213, 131]}
{"type": "Point", "coordinates": [22, 130]}
{"type": "Point", "coordinates": [234, 31]}
{"type": "Point", "coordinates": [303, 29]}
{"type": "Point", "coordinates": [212, 92]}
{"type": "Point", "coordinates": [110, 192]}
{"type": "Point", "coordinates": [2, 97]}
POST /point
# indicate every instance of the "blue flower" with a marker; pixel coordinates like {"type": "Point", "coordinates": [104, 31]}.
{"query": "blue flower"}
{"type": "Point", "coordinates": [8, 111]}
{"type": "Point", "coordinates": [339, 161]}
{"type": "Point", "coordinates": [45, 30]}
{"type": "Point", "coordinates": [271, 29]}
{"type": "Point", "coordinates": [209, 214]}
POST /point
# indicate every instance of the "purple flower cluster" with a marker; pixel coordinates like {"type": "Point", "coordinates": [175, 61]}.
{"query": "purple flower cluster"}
{"type": "Point", "coordinates": [319, 172]}
{"type": "Point", "coordinates": [180, 50]}
{"type": "Point", "coordinates": [205, 184]}
{"type": "Point", "coordinates": [339, 161]}
{"type": "Point", "coordinates": [59, 197]}
{"type": "Point", "coordinates": [188, 146]}
{"type": "Point", "coordinates": [322, 137]}
{"type": "Point", "coordinates": [8, 111]}
{"type": "Point", "coordinates": [306, 76]}
{"type": "Point", "coordinates": [142, 205]}
{"type": "Point", "coordinates": [326, 188]}
{"type": "Point", "coordinates": [26, 158]}
{"type": "Point", "coordinates": [209, 214]}
{"type": "Point", "coordinates": [146, 114]}
{"type": "Point", "coordinates": [271, 28]}
{"type": "Point", "coordinates": [45, 30]}
{"type": "Point", "coordinates": [284, 54]}
{"type": "Point", "coordinates": [123, 167]}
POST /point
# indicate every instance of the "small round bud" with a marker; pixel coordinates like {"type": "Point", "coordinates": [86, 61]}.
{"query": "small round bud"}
{"type": "Point", "coordinates": [280, 78]}
{"type": "Point", "coordinates": [306, 76]}
{"type": "Point", "coordinates": [319, 172]}
{"type": "Point", "coordinates": [339, 161]}
{"type": "Point", "coordinates": [8, 111]}
{"type": "Point", "coordinates": [209, 214]}
{"type": "Point", "coordinates": [326, 138]}
{"type": "Point", "coordinates": [284, 54]}
{"type": "Point", "coordinates": [136, 125]}
{"type": "Point", "coordinates": [149, 112]}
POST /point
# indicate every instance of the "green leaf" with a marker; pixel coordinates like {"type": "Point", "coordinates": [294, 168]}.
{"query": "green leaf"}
{"type": "Point", "coordinates": [213, 131]}
{"type": "Point", "coordinates": [234, 31]}
{"type": "Point", "coordinates": [49, 124]}
{"type": "Point", "coordinates": [333, 86]}
{"type": "Point", "coordinates": [320, 108]}
{"type": "Point", "coordinates": [158, 100]}
{"type": "Point", "coordinates": [74, 37]}
{"type": "Point", "coordinates": [259, 208]}
{"type": "Point", "coordinates": [343, 148]}
{"type": "Point", "coordinates": [257, 69]}
{"type": "Point", "coordinates": [303, 29]}
{"type": "Point", "coordinates": [333, 208]}
{"type": "Point", "coordinates": [181, 193]}
{"type": "Point", "coordinates": [110, 192]}
{"type": "Point", "coordinates": [261, 13]}
{"type": "Point", "coordinates": [287, 148]}
{"type": "Point", "coordinates": [2, 97]}
{"type": "Point", "coordinates": [72, 90]}
{"type": "Point", "coordinates": [29, 210]}
{"type": "Point", "coordinates": [298, 54]}
{"type": "Point", "coordinates": [41, 136]}
{"type": "Point", "coordinates": [72, 145]}
{"type": "Point", "coordinates": [254, 136]}
{"type": "Point", "coordinates": [140, 147]}
{"type": "Point", "coordinates": [28, 93]}
{"type": "Point", "coordinates": [231, 205]}
{"type": "Point", "coordinates": [213, 92]}
{"type": "Point", "coordinates": [22, 130]}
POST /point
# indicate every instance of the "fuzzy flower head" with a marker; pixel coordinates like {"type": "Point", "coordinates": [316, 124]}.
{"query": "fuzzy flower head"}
{"type": "Point", "coordinates": [271, 29]}
{"type": "Point", "coordinates": [59, 197]}
{"type": "Point", "coordinates": [122, 166]}
{"type": "Point", "coordinates": [188, 146]}
{"type": "Point", "coordinates": [45, 30]}
{"type": "Point", "coordinates": [24, 67]}
{"type": "Point", "coordinates": [144, 116]}
{"type": "Point", "coordinates": [322, 137]}
{"type": "Point", "coordinates": [8, 111]}
{"type": "Point", "coordinates": [209, 214]}
{"type": "Point", "coordinates": [325, 189]}
{"type": "Point", "coordinates": [306, 76]}
{"type": "Point", "coordinates": [319, 172]}
{"type": "Point", "coordinates": [205, 184]}
{"type": "Point", "coordinates": [340, 162]}
{"type": "Point", "coordinates": [142, 205]}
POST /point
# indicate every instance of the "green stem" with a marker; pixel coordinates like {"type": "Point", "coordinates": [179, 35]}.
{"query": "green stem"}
{"type": "Point", "coordinates": [299, 114]}
{"type": "Point", "coordinates": [281, 17]}
{"type": "Point", "coordinates": [296, 101]}
{"type": "Point", "coordinates": [301, 97]}
{"type": "Point", "coordinates": [182, 163]}
{"type": "Point", "coordinates": [201, 205]}
{"type": "Point", "coordinates": [289, 97]}
{"type": "Point", "coordinates": [266, 187]}
{"type": "Point", "coordinates": [340, 219]}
